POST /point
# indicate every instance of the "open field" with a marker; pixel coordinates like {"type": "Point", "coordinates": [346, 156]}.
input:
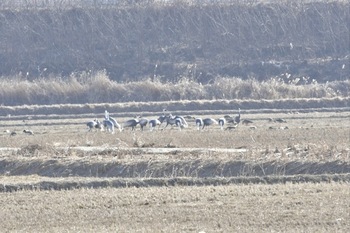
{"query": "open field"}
{"type": "Point", "coordinates": [63, 63]}
{"type": "Point", "coordinates": [311, 143]}
{"type": "Point", "coordinates": [235, 208]}
{"type": "Point", "coordinates": [288, 177]}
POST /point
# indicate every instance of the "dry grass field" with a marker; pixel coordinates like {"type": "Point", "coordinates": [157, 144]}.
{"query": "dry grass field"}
{"type": "Point", "coordinates": [235, 208]}
{"type": "Point", "coordinates": [63, 63]}
{"type": "Point", "coordinates": [273, 177]}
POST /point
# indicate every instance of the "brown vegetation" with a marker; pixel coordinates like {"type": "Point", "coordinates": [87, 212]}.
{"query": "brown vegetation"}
{"type": "Point", "coordinates": [99, 88]}
{"type": "Point", "coordinates": [63, 63]}
{"type": "Point", "coordinates": [168, 40]}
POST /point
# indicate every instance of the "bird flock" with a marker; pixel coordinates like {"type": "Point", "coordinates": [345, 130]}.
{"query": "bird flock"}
{"type": "Point", "coordinates": [110, 124]}
{"type": "Point", "coordinates": [166, 120]}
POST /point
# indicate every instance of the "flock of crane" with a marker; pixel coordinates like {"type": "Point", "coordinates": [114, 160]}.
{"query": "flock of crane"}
{"type": "Point", "coordinates": [110, 124]}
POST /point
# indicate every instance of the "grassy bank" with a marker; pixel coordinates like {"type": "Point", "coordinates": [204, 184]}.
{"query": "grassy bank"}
{"type": "Point", "coordinates": [97, 87]}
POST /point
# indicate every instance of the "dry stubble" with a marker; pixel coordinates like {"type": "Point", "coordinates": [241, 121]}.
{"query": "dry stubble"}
{"type": "Point", "coordinates": [243, 208]}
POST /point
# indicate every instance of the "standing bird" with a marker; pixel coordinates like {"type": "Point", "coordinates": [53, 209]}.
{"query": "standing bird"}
{"type": "Point", "coordinates": [91, 124]}
{"type": "Point", "coordinates": [131, 123]}
{"type": "Point", "coordinates": [108, 124]}
{"type": "Point", "coordinates": [106, 115]}
{"type": "Point", "coordinates": [238, 118]}
{"type": "Point", "coordinates": [229, 119]}
{"type": "Point", "coordinates": [222, 122]}
{"type": "Point", "coordinates": [208, 122]}
{"type": "Point", "coordinates": [153, 123]}
{"type": "Point", "coordinates": [183, 121]}
{"type": "Point", "coordinates": [143, 122]}
{"type": "Point", "coordinates": [179, 121]}
{"type": "Point", "coordinates": [179, 124]}
{"type": "Point", "coordinates": [114, 121]}
{"type": "Point", "coordinates": [199, 123]}
{"type": "Point", "coordinates": [162, 119]}
{"type": "Point", "coordinates": [99, 125]}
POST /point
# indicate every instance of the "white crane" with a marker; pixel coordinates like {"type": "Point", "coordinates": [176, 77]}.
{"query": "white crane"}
{"type": "Point", "coordinates": [109, 125]}
{"type": "Point", "coordinates": [199, 123]}
{"type": "Point", "coordinates": [222, 122]}
{"type": "Point", "coordinates": [238, 118]}
{"type": "Point", "coordinates": [153, 123]}
{"type": "Point", "coordinates": [114, 121]}
{"type": "Point", "coordinates": [179, 121]}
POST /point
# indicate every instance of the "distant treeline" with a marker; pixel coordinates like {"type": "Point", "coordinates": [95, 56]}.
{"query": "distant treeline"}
{"type": "Point", "coordinates": [169, 40]}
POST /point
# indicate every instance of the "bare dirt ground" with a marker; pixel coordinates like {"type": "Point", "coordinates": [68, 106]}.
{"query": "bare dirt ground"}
{"type": "Point", "coordinates": [287, 177]}
{"type": "Point", "coordinates": [235, 208]}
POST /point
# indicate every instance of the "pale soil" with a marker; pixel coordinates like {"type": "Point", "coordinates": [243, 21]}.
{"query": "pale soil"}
{"type": "Point", "coordinates": [236, 208]}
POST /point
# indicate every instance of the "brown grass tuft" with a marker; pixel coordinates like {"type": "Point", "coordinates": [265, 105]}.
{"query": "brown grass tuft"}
{"type": "Point", "coordinates": [99, 88]}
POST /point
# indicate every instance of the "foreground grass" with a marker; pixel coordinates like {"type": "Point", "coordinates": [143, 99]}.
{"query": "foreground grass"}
{"type": "Point", "coordinates": [243, 208]}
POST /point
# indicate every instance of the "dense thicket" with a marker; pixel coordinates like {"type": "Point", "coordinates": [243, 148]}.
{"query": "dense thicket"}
{"type": "Point", "coordinates": [173, 39]}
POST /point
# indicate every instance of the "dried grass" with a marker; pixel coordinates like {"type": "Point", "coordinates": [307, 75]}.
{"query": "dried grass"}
{"type": "Point", "coordinates": [99, 88]}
